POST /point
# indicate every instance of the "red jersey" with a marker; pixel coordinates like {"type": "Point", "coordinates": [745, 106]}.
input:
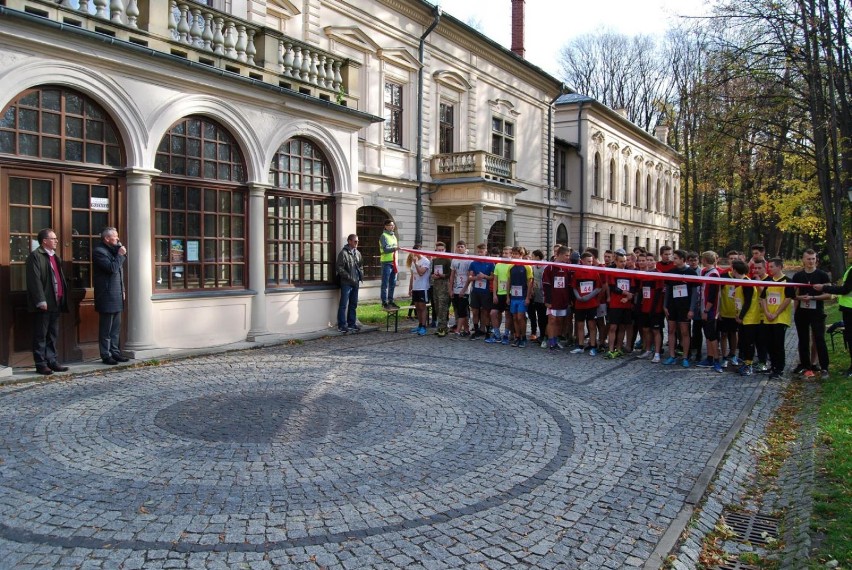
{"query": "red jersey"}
{"type": "Point", "coordinates": [584, 283]}
{"type": "Point", "coordinates": [556, 286]}
{"type": "Point", "coordinates": [652, 292]}
{"type": "Point", "coordinates": [618, 286]}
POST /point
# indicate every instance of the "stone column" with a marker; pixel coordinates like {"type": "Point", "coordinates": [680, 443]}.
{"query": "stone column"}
{"type": "Point", "coordinates": [140, 341]}
{"type": "Point", "coordinates": [478, 235]}
{"type": "Point", "coordinates": [510, 228]}
{"type": "Point", "coordinates": [257, 259]}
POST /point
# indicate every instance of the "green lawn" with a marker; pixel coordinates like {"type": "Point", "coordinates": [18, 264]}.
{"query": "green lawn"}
{"type": "Point", "coordinates": [833, 495]}
{"type": "Point", "coordinates": [371, 313]}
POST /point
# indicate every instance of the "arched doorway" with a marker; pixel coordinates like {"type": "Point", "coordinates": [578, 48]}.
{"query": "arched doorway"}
{"type": "Point", "coordinates": [61, 157]}
{"type": "Point", "coordinates": [562, 234]}
{"type": "Point", "coordinates": [497, 235]}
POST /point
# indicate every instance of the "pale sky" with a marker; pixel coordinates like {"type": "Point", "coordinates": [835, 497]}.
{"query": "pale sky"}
{"type": "Point", "coordinates": [550, 23]}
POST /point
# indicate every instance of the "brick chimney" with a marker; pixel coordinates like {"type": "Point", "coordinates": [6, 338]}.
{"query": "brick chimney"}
{"type": "Point", "coordinates": [518, 27]}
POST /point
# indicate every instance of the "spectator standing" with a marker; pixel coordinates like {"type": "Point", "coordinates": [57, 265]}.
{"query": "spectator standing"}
{"type": "Point", "coordinates": [388, 246]}
{"type": "Point", "coordinates": [46, 299]}
{"type": "Point", "coordinates": [350, 272]}
{"type": "Point", "coordinates": [108, 259]}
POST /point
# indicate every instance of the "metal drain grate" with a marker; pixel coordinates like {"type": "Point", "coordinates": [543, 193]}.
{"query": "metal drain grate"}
{"type": "Point", "coordinates": [736, 565]}
{"type": "Point", "coordinates": [753, 528]}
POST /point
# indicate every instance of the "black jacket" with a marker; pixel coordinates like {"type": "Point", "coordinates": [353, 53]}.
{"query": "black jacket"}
{"type": "Point", "coordinates": [107, 278]}
{"type": "Point", "coordinates": [349, 266]}
{"type": "Point", "coordinates": [41, 286]}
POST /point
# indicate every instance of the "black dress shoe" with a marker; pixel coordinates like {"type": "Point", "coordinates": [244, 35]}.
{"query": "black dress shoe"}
{"type": "Point", "coordinates": [56, 367]}
{"type": "Point", "coordinates": [44, 370]}
{"type": "Point", "coordinates": [119, 358]}
{"type": "Point", "coordinates": [110, 361]}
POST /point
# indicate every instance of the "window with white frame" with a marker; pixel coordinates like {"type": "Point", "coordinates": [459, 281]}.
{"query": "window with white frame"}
{"type": "Point", "coordinates": [393, 113]}
{"type": "Point", "coordinates": [503, 138]}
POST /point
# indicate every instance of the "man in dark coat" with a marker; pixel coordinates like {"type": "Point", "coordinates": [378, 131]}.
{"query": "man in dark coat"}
{"type": "Point", "coordinates": [350, 271]}
{"type": "Point", "coordinates": [46, 297]}
{"type": "Point", "coordinates": [108, 258]}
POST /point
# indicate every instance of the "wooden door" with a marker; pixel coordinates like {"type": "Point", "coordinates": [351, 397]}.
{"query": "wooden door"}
{"type": "Point", "coordinates": [77, 208]}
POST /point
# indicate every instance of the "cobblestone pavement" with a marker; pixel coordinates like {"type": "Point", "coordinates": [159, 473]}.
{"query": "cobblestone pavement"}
{"type": "Point", "coordinates": [375, 450]}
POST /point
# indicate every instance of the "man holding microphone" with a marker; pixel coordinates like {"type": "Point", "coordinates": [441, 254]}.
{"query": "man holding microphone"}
{"type": "Point", "coordinates": [108, 259]}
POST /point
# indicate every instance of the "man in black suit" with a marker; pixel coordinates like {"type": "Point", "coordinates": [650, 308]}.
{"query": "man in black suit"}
{"type": "Point", "coordinates": [108, 258]}
{"type": "Point", "coordinates": [46, 298]}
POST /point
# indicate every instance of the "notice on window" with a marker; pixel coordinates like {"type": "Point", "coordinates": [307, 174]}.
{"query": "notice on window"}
{"type": "Point", "coordinates": [192, 250]}
{"type": "Point", "coordinates": [99, 204]}
{"type": "Point", "coordinates": [176, 251]}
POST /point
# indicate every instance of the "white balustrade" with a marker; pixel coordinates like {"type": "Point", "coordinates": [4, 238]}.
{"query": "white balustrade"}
{"type": "Point", "coordinates": [193, 25]}
{"type": "Point", "coordinates": [308, 65]}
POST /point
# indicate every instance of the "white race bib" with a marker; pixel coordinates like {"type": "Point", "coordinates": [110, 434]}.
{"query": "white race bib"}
{"type": "Point", "coordinates": [480, 284]}
{"type": "Point", "coordinates": [517, 291]}
{"type": "Point", "coordinates": [773, 299]}
{"type": "Point", "coordinates": [646, 292]}
{"type": "Point", "coordinates": [738, 303]}
{"type": "Point", "coordinates": [679, 291]}
{"type": "Point", "coordinates": [437, 269]}
{"type": "Point", "coordinates": [731, 291]}
{"type": "Point", "coordinates": [586, 287]}
{"type": "Point", "coordinates": [559, 282]}
{"type": "Point", "coordinates": [623, 284]}
{"type": "Point", "coordinates": [809, 304]}
{"type": "Point", "coordinates": [501, 285]}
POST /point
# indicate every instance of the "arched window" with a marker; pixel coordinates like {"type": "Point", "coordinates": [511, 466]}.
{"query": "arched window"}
{"type": "Point", "coordinates": [299, 216]}
{"type": "Point", "coordinates": [626, 185]}
{"type": "Point", "coordinates": [668, 200]}
{"type": "Point", "coordinates": [597, 180]}
{"type": "Point", "coordinates": [562, 234]}
{"type": "Point", "coordinates": [612, 188]}
{"type": "Point", "coordinates": [60, 124]}
{"type": "Point", "coordinates": [648, 202]}
{"type": "Point", "coordinates": [497, 235]}
{"type": "Point", "coordinates": [637, 189]}
{"type": "Point", "coordinates": [369, 224]}
{"type": "Point", "coordinates": [659, 196]}
{"type": "Point", "coordinates": [199, 208]}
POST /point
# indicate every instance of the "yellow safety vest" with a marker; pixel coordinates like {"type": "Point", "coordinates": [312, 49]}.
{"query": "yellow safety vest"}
{"type": "Point", "coordinates": [391, 241]}
{"type": "Point", "coordinates": [774, 296]}
{"type": "Point", "coordinates": [846, 300]}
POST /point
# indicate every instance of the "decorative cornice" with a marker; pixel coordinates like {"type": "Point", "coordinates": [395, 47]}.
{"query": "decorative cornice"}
{"type": "Point", "coordinates": [626, 151]}
{"type": "Point", "coordinates": [284, 6]}
{"type": "Point", "coordinates": [598, 137]}
{"type": "Point", "coordinates": [352, 36]}
{"type": "Point", "coordinates": [613, 146]}
{"type": "Point", "coordinates": [452, 79]}
{"type": "Point", "coordinates": [399, 56]}
{"type": "Point", "coordinates": [507, 105]}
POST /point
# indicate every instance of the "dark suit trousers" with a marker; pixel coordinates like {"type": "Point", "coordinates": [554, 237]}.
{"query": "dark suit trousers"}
{"type": "Point", "coordinates": [45, 337]}
{"type": "Point", "coordinates": [109, 326]}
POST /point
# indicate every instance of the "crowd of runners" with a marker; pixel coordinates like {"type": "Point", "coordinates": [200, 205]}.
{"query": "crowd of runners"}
{"type": "Point", "coordinates": [641, 304]}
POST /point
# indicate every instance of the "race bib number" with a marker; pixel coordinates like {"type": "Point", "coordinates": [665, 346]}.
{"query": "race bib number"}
{"type": "Point", "coordinates": [646, 292]}
{"type": "Point", "coordinates": [679, 291]}
{"type": "Point", "coordinates": [517, 291]}
{"type": "Point", "coordinates": [501, 285]}
{"type": "Point", "coordinates": [731, 290]}
{"type": "Point", "coordinates": [480, 284]}
{"type": "Point", "coordinates": [773, 299]}
{"type": "Point", "coordinates": [809, 304]}
{"type": "Point", "coordinates": [586, 287]}
{"type": "Point", "coordinates": [738, 303]}
{"type": "Point", "coordinates": [437, 269]}
{"type": "Point", "coordinates": [559, 282]}
{"type": "Point", "coordinates": [623, 284]}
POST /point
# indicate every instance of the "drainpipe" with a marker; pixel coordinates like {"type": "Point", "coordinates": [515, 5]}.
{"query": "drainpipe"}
{"type": "Point", "coordinates": [418, 224]}
{"type": "Point", "coordinates": [549, 225]}
{"type": "Point", "coordinates": [580, 153]}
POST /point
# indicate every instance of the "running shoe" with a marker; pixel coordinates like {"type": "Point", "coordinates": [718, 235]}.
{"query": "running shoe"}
{"type": "Point", "coordinates": [578, 350]}
{"type": "Point", "coordinates": [646, 354]}
{"type": "Point", "coordinates": [808, 374]}
{"type": "Point", "coordinates": [800, 369]}
{"type": "Point", "coordinates": [669, 361]}
{"type": "Point", "coordinates": [706, 363]}
{"type": "Point", "coordinates": [685, 363]}
{"type": "Point", "coordinates": [441, 332]}
{"type": "Point", "coordinates": [515, 343]}
{"type": "Point", "coordinates": [533, 338]}
{"type": "Point", "coordinates": [824, 373]}
{"type": "Point", "coordinates": [523, 343]}
{"type": "Point", "coordinates": [746, 370]}
{"type": "Point", "coordinates": [422, 331]}
{"type": "Point", "coordinates": [492, 339]}
{"type": "Point", "coordinates": [656, 359]}
{"type": "Point", "coordinates": [505, 340]}
{"type": "Point", "coordinates": [724, 363]}
{"type": "Point", "coordinates": [734, 360]}
{"type": "Point", "coordinates": [415, 330]}
{"type": "Point", "coordinates": [544, 343]}
{"type": "Point", "coordinates": [593, 351]}
{"type": "Point", "coordinates": [717, 366]}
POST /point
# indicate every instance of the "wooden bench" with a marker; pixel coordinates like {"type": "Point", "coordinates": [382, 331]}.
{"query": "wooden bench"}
{"type": "Point", "coordinates": [394, 314]}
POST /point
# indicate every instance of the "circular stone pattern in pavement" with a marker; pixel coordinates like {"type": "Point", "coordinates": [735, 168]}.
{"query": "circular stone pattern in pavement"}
{"type": "Point", "coordinates": [317, 450]}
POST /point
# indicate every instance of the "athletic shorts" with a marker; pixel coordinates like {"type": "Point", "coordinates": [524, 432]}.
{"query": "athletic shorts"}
{"type": "Point", "coordinates": [727, 325]}
{"type": "Point", "coordinates": [601, 311]}
{"type": "Point", "coordinates": [557, 312]}
{"type": "Point", "coordinates": [460, 306]}
{"type": "Point", "coordinates": [679, 313]}
{"type": "Point", "coordinates": [480, 301]}
{"type": "Point", "coordinates": [586, 314]}
{"type": "Point", "coordinates": [420, 296]}
{"type": "Point", "coordinates": [620, 316]}
{"type": "Point", "coordinates": [501, 305]}
{"type": "Point", "coordinates": [517, 306]}
{"type": "Point", "coordinates": [711, 331]}
{"type": "Point", "coordinates": [652, 321]}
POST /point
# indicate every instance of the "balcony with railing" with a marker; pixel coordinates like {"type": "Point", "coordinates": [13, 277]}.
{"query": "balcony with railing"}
{"type": "Point", "coordinates": [472, 164]}
{"type": "Point", "coordinates": [202, 34]}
